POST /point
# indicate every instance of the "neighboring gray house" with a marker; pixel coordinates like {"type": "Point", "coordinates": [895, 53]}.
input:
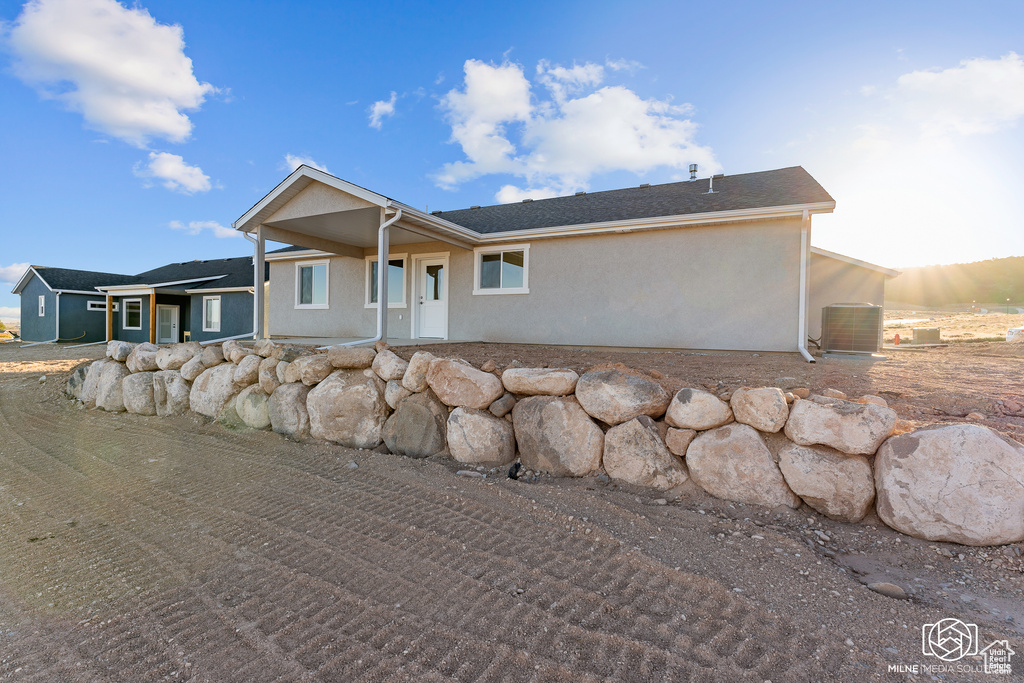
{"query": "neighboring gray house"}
{"type": "Point", "coordinates": [197, 300]}
{"type": "Point", "coordinates": [723, 263]}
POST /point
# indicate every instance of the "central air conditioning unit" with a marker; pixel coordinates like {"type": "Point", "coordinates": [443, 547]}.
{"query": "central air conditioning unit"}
{"type": "Point", "coordinates": [851, 328]}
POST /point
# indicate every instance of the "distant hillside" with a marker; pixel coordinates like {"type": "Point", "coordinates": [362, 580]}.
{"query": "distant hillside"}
{"type": "Point", "coordinates": [991, 282]}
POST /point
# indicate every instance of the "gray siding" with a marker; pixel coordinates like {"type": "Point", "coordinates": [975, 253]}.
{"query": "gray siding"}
{"type": "Point", "coordinates": [33, 327]}
{"type": "Point", "coordinates": [732, 286]}
{"type": "Point", "coordinates": [134, 336]}
{"type": "Point", "coordinates": [836, 282]}
{"type": "Point", "coordinates": [235, 315]}
{"type": "Point", "coordinates": [77, 323]}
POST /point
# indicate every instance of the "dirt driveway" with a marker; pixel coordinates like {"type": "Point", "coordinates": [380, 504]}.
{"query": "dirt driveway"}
{"type": "Point", "coordinates": [142, 549]}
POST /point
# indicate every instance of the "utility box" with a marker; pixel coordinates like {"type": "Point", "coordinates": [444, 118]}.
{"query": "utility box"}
{"type": "Point", "coordinates": [926, 335]}
{"type": "Point", "coordinates": [851, 328]}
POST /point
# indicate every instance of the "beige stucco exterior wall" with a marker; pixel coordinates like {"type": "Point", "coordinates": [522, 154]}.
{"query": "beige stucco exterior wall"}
{"type": "Point", "coordinates": [730, 286]}
{"type": "Point", "coordinates": [836, 282]}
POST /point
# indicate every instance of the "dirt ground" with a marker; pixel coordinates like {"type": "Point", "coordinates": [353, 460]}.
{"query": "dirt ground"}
{"type": "Point", "coordinates": [139, 549]}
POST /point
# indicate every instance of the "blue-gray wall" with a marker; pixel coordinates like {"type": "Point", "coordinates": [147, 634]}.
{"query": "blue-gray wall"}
{"type": "Point", "coordinates": [134, 336]}
{"type": "Point", "coordinates": [34, 328]}
{"type": "Point", "coordinates": [77, 323]}
{"type": "Point", "coordinates": [235, 315]}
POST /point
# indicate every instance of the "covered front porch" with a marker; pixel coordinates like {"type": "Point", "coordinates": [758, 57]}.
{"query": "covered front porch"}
{"type": "Point", "coordinates": [325, 288]}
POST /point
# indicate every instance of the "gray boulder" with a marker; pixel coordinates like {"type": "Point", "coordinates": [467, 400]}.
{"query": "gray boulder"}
{"type": "Point", "coordinates": [213, 389]}
{"type": "Point", "coordinates": [635, 453]}
{"type": "Point", "coordinates": [119, 350]}
{"type": "Point", "coordinates": [253, 407]}
{"type": "Point", "coordinates": [764, 409]}
{"type": "Point", "coordinates": [76, 380]}
{"type": "Point", "coordinates": [109, 395]}
{"type": "Point", "coordinates": [696, 409]}
{"type": "Point", "coordinates": [417, 428]}
{"type": "Point", "coordinates": [733, 463]}
{"type": "Point", "coordinates": [137, 392]}
{"type": "Point", "coordinates": [287, 410]}
{"type": "Point", "coordinates": [348, 408]}
{"type": "Point", "coordinates": [615, 397]}
{"type": "Point", "coordinates": [92, 380]}
{"type": "Point", "coordinates": [503, 406]}
{"type": "Point", "coordinates": [458, 383]}
{"type": "Point", "coordinates": [176, 355]}
{"type": "Point", "coordinates": [960, 483]}
{"type": "Point", "coordinates": [837, 485]}
{"type": "Point", "coordinates": [247, 371]}
{"type": "Point", "coordinates": [350, 357]}
{"type": "Point", "coordinates": [476, 437]}
{"type": "Point", "coordinates": [264, 348]}
{"type": "Point", "coordinates": [415, 377]}
{"type": "Point", "coordinates": [170, 393]}
{"type": "Point", "coordinates": [394, 392]}
{"type": "Point", "coordinates": [556, 435]}
{"type": "Point", "coordinates": [193, 368]}
{"type": "Point", "coordinates": [858, 428]}
{"type": "Point", "coordinates": [539, 381]}
{"type": "Point", "coordinates": [143, 358]}
{"type": "Point", "coordinates": [289, 353]}
{"type": "Point", "coordinates": [281, 370]}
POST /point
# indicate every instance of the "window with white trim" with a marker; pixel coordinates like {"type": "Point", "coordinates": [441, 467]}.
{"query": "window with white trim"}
{"type": "Point", "coordinates": [211, 314]}
{"type": "Point", "coordinates": [396, 280]}
{"type": "Point", "coordinates": [131, 319]}
{"type": "Point", "coordinates": [99, 306]}
{"type": "Point", "coordinates": [311, 284]}
{"type": "Point", "coordinates": [502, 270]}
{"type": "Point", "coordinates": [42, 305]}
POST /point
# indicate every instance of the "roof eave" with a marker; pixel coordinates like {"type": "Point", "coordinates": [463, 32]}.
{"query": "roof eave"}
{"type": "Point", "coordinates": [24, 280]}
{"type": "Point", "coordinates": [888, 272]}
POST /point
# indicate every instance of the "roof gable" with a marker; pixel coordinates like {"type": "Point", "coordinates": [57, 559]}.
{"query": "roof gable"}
{"type": "Point", "coordinates": [68, 279]}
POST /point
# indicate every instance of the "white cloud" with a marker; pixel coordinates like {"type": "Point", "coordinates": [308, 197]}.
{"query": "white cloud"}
{"type": "Point", "coordinates": [197, 227]}
{"type": "Point", "coordinates": [10, 313]}
{"type": "Point", "coordinates": [175, 173]}
{"type": "Point", "coordinates": [978, 96]}
{"type": "Point", "coordinates": [13, 272]}
{"type": "Point", "coordinates": [623, 65]}
{"type": "Point", "coordinates": [293, 161]}
{"type": "Point", "coordinates": [123, 71]}
{"type": "Point", "coordinates": [382, 108]}
{"type": "Point", "coordinates": [562, 142]}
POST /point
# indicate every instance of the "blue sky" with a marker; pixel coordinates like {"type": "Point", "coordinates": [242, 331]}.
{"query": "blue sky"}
{"type": "Point", "coordinates": [133, 135]}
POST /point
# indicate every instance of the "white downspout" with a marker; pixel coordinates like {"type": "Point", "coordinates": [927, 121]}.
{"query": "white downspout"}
{"type": "Point", "coordinates": [801, 339]}
{"type": "Point", "coordinates": [383, 237]}
{"type": "Point", "coordinates": [56, 327]}
{"type": "Point", "coordinates": [257, 281]}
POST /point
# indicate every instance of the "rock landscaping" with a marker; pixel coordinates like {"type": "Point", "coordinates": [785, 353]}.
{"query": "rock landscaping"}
{"type": "Point", "coordinates": [760, 445]}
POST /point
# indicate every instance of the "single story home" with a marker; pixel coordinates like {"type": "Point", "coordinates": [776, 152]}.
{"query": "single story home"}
{"type": "Point", "coordinates": [195, 300]}
{"type": "Point", "coordinates": [717, 263]}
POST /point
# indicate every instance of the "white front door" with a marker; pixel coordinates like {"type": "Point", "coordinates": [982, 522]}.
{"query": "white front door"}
{"type": "Point", "coordinates": [432, 298]}
{"type": "Point", "coordinates": [166, 324]}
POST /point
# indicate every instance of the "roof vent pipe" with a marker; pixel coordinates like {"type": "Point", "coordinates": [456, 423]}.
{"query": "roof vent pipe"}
{"type": "Point", "coordinates": [693, 171]}
{"type": "Point", "coordinates": [711, 185]}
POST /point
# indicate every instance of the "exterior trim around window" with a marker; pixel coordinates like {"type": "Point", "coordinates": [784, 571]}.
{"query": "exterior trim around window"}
{"type": "Point", "coordinates": [503, 269]}
{"type": "Point", "coordinates": [42, 305]}
{"type": "Point", "coordinates": [318, 284]}
{"type": "Point", "coordinates": [99, 306]}
{"type": "Point", "coordinates": [370, 284]}
{"type": "Point", "coordinates": [211, 318]}
{"type": "Point", "coordinates": [132, 308]}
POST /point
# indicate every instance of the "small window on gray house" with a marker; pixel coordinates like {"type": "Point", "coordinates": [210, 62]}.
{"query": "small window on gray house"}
{"type": "Point", "coordinates": [132, 314]}
{"type": "Point", "coordinates": [211, 314]}
{"type": "Point", "coordinates": [42, 305]}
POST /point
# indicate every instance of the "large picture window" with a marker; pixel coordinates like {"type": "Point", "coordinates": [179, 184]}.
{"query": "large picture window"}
{"type": "Point", "coordinates": [502, 270]}
{"type": "Point", "coordinates": [311, 284]}
{"type": "Point", "coordinates": [211, 314]}
{"type": "Point", "coordinates": [132, 316]}
{"type": "Point", "coordinates": [396, 281]}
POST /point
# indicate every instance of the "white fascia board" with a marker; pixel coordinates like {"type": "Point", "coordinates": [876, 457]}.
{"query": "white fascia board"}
{"type": "Point", "coordinates": [24, 280]}
{"type": "Point", "coordinates": [313, 174]}
{"type": "Point", "coordinates": [291, 255]}
{"type": "Point", "coordinates": [79, 291]}
{"type": "Point", "coordinates": [440, 224]}
{"type": "Point", "coordinates": [888, 272]}
{"type": "Point", "coordinates": [124, 290]}
{"type": "Point", "coordinates": [121, 289]}
{"type": "Point", "coordinates": [659, 222]}
{"type": "Point", "coordinates": [219, 290]}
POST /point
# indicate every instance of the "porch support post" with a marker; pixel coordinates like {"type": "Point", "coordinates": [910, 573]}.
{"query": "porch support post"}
{"type": "Point", "coordinates": [152, 317]}
{"type": "Point", "coordinates": [258, 291]}
{"type": "Point", "coordinates": [383, 247]}
{"type": "Point", "coordinates": [110, 317]}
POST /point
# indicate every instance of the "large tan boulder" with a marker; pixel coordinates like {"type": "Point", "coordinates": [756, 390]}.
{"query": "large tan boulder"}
{"type": "Point", "coordinates": [539, 381]}
{"type": "Point", "coordinates": [837, 485]}
{"type": "Point", "coordinates": [264, 348]}
{"type": "Point", "coordinates": [350, 357]}
{"type": "Point", "coordinates": [388, 365]}
{"type": "Point", "coordinates": [287, 410]}
{"type": "Point", "coordinates": [268, 380]}
{"type": "Point", "coordinates": [696, 409]}
{"type": "Point", "coordinates": [417, 428]}
{"type": "Point", "coordinates": [170, 393]}
{"type": "Point", "coordinates": [212, 354]}
{"type": "Point", "coordinates": [765, 409]}
{"type": "Point", "coordinates": [634, 453]}
{"type": "Point", "coordinates": [457, 384]}
{"type": "Point", "coordinates": [348, 408]}
{"type": "Point", "coordinates": [394, 392]}
{"type": "Point", "coordinates": [109, 394]}
{"type": "Point", "coordinates": [193, 368]}
{"type": "Point", "coordinates": [733, 463]}
{"type": "Point", "coordinates": [137, 392]}
{"type": "Point", "coordinates": [213, 389]}
{"type": "Point", "coordinates": [234, 351]}
{"type": "Point", "coordinates": [247, 371]}
{"type": "Point", "coordinates": [281, 370]}
{"type": "Point", "coordinates": [143, 358]}
{"type": "Point", "coordinates": [678, 440]}
{"type": "Point", "coordinates": [76, 381]}
{"type": "Point", "coordinates": [615, 397]}
{"type": "Point", "coordinates": [253, 407]}
{"type": "Point", "coordinates": [119, 350]}
{"type": "Point", "coordinates": [476, 437]}
{"type": "Point", "coordinates": [858, 428]}
{"type": "Point", "coordinates": [415, 377]}
{"type": "Point", "coordinates": [174, 356]}
{"type": "Point", "coordinates": [92, 380]}
{"type": "Point", "coordinates": [314, 369]}
{"type": "Point", "coordinates": [960, 483]}
{"type": "Point", "coordinates": [556, 435]}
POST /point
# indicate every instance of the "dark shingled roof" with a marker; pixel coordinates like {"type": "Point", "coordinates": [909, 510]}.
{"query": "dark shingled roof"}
{"type": "Point", "coordinates": [82, 280]}
{"type": "Point", "coordinates": [782, 187]}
